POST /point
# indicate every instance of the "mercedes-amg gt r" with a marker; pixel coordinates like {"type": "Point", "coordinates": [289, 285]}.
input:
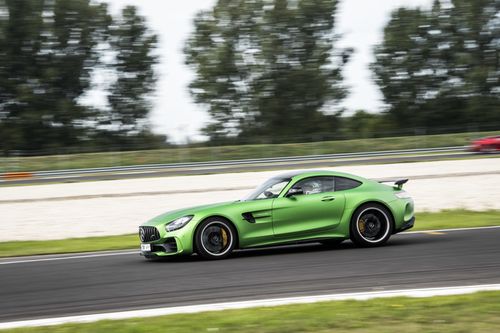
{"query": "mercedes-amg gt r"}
{"type": "Point", "coordinates": [314, 206]}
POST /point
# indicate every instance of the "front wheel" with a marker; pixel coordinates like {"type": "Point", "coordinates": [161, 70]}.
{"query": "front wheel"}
{"type": "Point", "coordinates": [215, 238]}
{"type": "Point", "coordinates": [371, 225]}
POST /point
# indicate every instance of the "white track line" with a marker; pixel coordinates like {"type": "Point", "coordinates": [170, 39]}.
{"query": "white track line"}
{"type": "Point", "coordinates": [447, 230]}
{"type": "Point", "coordinates": [424, 292]}
{"type": "Point", "coordinates": [107, 254]}
{"type": "Point", "coordinates": [84, 256]}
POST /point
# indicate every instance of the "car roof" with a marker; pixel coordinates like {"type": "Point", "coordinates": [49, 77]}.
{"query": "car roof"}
{"type": "Point", "coordinates": [314, 173]}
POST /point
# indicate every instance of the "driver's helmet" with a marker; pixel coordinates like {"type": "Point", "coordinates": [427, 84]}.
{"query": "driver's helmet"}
{"type": "Point", "coordinates": [312, 187]}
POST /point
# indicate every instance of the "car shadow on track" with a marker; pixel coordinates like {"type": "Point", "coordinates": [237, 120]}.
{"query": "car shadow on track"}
{"type": "Point", "coordinates": [344, 246]}
{"type": "Point", "coordinates": [407, 240]}
{"type": "Point", "coordinates": [289, 249]}
{"type": "Point", "coordinates": [264, 251]}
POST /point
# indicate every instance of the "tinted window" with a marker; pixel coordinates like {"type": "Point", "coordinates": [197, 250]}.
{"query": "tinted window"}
{"type": "Point", "coordinates": [315, 185]}
{"type": "Point", "coordinates": [342, 183]}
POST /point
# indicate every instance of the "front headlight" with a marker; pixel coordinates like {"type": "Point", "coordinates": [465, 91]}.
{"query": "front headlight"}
{"type": "Point", "coordinates": [402, 195]}
{"type": "Point", "coordinates": [178, 223]}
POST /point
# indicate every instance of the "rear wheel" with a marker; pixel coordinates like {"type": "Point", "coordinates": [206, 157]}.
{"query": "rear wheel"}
{"type": "Point", "coordinates": [371, 225]}
{"type": "Point", "coordinates": [215, 238]}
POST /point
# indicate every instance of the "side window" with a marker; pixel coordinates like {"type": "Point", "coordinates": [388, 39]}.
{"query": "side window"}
{"type": "Point", "coordinates": [342, 183]}
{"type": "Point", "coordinates": [316, 185]}
{"type": "Point", "coordinates": [273, 191]}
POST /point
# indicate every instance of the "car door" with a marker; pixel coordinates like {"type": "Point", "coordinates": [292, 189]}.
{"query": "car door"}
{"type": "Point", "coordinates": [317, 209]}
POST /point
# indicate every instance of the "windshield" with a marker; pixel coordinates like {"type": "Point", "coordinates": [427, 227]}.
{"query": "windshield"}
{"type": "Point", "coordinates": [270, 189]}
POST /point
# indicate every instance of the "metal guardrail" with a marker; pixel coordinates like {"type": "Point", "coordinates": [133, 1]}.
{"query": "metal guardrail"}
{"type": "Point", "coordinates": [73, 173]}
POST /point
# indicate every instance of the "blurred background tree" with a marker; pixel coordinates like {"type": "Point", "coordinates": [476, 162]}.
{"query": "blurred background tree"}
{"type": "Point", "coordinates": [48, 52]}
{"type": "Point", "coordinates": [133, 46]}
{"type": "Point", "coordinates": [362, 124]}
{"type": "Point", "coordinates": [46, 59]}
{"type": "Point", "coordinates": [440, 67]}
{"type": "Point", "coordinates": [268, 70]}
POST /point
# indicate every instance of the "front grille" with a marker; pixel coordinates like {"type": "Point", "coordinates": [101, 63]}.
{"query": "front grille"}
{"type": "Point", "coordinates": [148, 234]}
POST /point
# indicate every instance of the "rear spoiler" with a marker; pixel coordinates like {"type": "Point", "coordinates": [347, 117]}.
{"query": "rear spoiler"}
{"type": "Point", "coordinates": [398, 183]}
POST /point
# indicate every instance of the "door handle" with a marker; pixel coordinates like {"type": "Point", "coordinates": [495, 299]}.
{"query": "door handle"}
{"type": "Point", "coordinates": [329, 198]}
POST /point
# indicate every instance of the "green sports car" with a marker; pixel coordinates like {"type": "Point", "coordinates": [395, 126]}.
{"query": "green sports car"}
{"type": "Point", "coordinates": [313, 206]}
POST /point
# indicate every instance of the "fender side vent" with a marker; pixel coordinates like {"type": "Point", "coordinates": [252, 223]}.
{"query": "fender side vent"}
{"type": "Point", "coordinates": [248, 217]}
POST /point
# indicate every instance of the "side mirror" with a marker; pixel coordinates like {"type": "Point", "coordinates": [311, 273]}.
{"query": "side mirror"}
{"type": "Point", "coordinates": [294, 191]}
{"type": "Point", "coordinates": [268, 194]}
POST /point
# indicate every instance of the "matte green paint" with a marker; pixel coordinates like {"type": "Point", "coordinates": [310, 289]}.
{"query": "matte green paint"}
{"type": "Point", "coordinates": [288, 219]}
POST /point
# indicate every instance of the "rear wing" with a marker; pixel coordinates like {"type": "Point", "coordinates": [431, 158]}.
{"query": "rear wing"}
{"type": "Point", "coordinates": [398, 183]}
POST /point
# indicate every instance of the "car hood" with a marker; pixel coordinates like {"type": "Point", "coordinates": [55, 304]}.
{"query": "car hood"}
{"type": "Point", "coordinates": [175, 214]}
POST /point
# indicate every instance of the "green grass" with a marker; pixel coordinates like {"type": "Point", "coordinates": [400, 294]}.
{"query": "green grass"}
{"type": "Point", "coordinates": [198, 154]}
{"type": "Point", "coordinates": [425, 221]}
{"type": "Point", "coordinates": [89, 244]}
{"type": "Point", "coordinates": [456, 219]}
{"type": "Point", "coordinates": [452, 314]}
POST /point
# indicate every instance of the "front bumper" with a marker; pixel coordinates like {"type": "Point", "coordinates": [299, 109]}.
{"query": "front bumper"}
{"type": "Point", "coordinates": [407, 224]}
{"type": "Point", "coordinates": [164, 247]}
{"type": "Point", "coordinates": [169, 243]}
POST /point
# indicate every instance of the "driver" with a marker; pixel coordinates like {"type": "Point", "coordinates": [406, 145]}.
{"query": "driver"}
{"type": "Point", "coordinates": [312, 187]}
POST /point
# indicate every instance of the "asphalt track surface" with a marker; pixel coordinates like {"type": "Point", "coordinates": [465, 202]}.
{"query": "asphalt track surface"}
{"type": "Point", "coordinates": [33, 289]}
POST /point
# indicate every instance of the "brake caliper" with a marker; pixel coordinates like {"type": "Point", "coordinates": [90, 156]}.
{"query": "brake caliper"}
{"type": "Point", "coordinates": [361, 225]}
{"type": "Point", "coordinates": [224, 237]}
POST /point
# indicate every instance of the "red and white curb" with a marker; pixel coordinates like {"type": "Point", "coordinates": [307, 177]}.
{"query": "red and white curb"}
{"type": "Point", "coordinates": [424, 292]}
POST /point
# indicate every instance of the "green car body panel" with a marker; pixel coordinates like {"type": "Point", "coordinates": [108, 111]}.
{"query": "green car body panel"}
{"type": "Point", "coordinates": [286, 219]}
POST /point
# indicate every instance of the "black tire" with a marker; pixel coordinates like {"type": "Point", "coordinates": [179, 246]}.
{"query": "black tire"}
{"type": "Point", "coordinates": [371, 225]}
{"type": "Point", "coordinates": [215, 238]}
{"type": "Point", "coordinates": [331, 242]}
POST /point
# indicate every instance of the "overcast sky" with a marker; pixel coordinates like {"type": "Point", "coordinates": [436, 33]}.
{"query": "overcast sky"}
{"type": "Point", "coordinates": [360, 22]}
